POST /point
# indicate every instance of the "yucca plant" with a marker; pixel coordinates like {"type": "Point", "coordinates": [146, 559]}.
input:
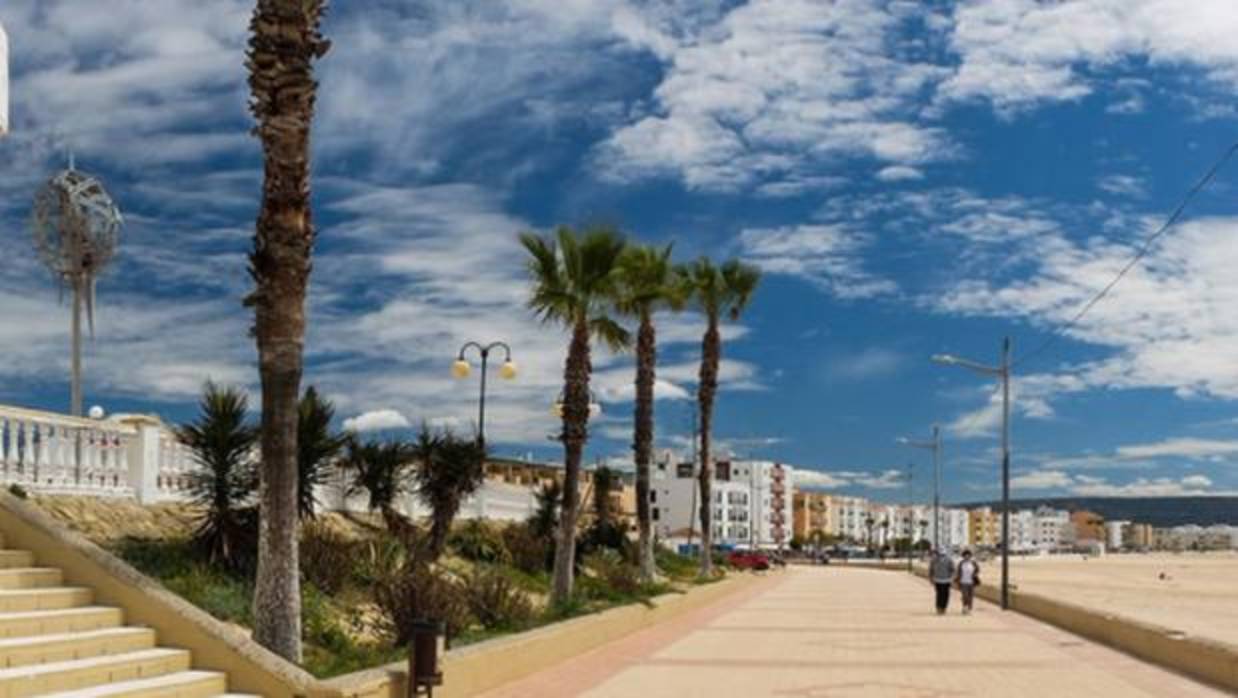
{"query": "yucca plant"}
{"type": "Point", "coordinates": [222, 443]}
{"type": "Point", "coordinates": [317, 448]}
{"type": "Point", "coordinates": [574, 283]}
{"type": "Point", "coordinates": [382, 470]}
{"type": "Point", "coordinates": [449, 469]}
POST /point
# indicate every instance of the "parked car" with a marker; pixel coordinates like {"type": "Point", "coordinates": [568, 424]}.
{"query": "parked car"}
{"type": "Point", "coordinates": [748, 560]}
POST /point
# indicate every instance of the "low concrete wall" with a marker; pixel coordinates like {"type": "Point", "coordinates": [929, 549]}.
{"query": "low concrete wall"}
{"type": "Point", "coordinates": [253, 669]}
{"type": "Point", "coordinates": [472, 670]}
{"type": "Point", "coordinates": [216, 646]}
{"type": "Point", "coordinates": [1207, 660]}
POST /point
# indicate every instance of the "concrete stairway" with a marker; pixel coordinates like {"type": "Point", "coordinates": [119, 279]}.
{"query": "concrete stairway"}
{"type": "Point", "coordinates": [55, 641]}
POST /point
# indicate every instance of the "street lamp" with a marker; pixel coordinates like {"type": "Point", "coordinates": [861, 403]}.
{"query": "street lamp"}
{"type": "Point", "coordinates": [933, 445]}
{"type": "Point", "coordinates": [1002, 373]}
{"type": "Point", "coordinates": [462, 369]}
{"type": "Point", "coordinates": [595, 408]}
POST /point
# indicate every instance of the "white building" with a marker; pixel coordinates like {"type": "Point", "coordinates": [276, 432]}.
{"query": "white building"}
{"type": "Point", "coordinates": [752, 505]}
{"type": "Point", "coordinates": [955, 526]}
{"type": "Point", "coordinates": [1114, 533]}
{"type": "Point", "coordinates": [852, 515]}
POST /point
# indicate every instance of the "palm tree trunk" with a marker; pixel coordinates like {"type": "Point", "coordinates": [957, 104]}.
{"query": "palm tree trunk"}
{"type": "Point", "coordinates": [283, 45]}
{"type": "Point", "coordinates": [642, 443]}
{"type": "Point", "coordinates": [711, 355]}
{"type": "Point", "coordinates": [575, 433]}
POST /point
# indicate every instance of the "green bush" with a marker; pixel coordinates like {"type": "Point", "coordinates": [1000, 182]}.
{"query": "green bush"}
{"type": "Point", "coordinates": [378, 559]}
{"type": "Point", "coordinates": [418, 592]}
{"type": "Point", "coordinates": [477, 541]}
{"type": "Point", "coordinates": [496, 601]}
{"type": "Point", "coordinates": [528, 552]}
{"type": "Point", "coordinates": [611, 579]}
{"type": "Point", "coordinates": [674, 565]}
{"type": "Point", "coordinates": [17, 491]}
{"type": "Point", "coordinates": [327, 557]}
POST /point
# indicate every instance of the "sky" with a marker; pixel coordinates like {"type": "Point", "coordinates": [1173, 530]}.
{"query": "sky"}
{"type": "Point", "coordinates": [911, 177]}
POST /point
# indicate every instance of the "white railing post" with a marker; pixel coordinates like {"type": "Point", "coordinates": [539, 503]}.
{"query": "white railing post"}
{"type": "Point", "coordinates": [28, 471]}
{"type": "Point", "coordinates": [143, 456]}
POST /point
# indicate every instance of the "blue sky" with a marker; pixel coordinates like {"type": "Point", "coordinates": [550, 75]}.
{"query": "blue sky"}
{"type": "Point", "coordinates": [912, 177]}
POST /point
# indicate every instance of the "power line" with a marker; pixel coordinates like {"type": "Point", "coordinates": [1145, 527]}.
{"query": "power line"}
{"type": "Point", "coordinates": [1139, 255]}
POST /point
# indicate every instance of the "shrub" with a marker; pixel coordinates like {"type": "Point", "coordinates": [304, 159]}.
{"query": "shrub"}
{"type": "Point", "coordinates": [327, 557]}
{"type": "Point", "coordinates": [612, 578]}
{"type": "Point", "coordinates": [378, 559]}
{"type": "Point", "coordinates": [417, 592]}
{"type": "Point", "coordinates": [674, 565]}
{"type": "Point", "coordinates": [479, 542]}
{"type": "Point", "coordinates": [496, 601]}
{"type": "Point", "coordinates": [449, 469]}
{"type": "Point", "coordinates": [17, 491]}
{"type": "Point", "coordinates": [528, 552]}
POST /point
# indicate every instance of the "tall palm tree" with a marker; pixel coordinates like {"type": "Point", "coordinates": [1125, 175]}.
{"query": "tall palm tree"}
{"type": "Point", "coordinates": [716, 291]}
{"type": "Point", "coordinates": [648, 282]}
{"type": "Point", "coordinates": [283, 45]}
{"type": "Point", "coordinates": [317, 448]}
{"type": "Point", "coordinates": [574, 282]}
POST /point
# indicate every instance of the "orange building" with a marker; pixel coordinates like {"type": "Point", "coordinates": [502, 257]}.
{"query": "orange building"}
{"type": "Point", "coordinates": [1089, 526]}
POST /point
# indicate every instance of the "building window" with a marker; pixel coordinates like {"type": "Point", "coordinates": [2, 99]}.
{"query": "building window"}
{"type": "Point", "coordinates": [653, 495]}
{"type": "Point", "coordinates": [654, 514]}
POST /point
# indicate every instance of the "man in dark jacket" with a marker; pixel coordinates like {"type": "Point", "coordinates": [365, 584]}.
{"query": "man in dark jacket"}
{"type": "Point", "coordinates": [941, 572]}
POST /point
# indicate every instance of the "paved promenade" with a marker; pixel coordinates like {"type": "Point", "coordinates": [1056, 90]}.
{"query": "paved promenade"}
{"type": "Point", "coordinates": [834, 632]}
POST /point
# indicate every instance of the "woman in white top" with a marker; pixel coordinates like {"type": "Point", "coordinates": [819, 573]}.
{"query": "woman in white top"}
{"type": "Point", "coordinates": [967, 577]}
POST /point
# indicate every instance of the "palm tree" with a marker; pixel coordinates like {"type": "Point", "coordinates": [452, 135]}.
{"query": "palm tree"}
{"type": "Point", "coordinates": [317, 448]}
{"type": "Point", "coordinates": [222, 443]}
{"type": "Point", "coordinates": [868, 524]}
{"type": "Point", "coordinates": [716, 291]}
{"type": "Point", "coordinates": [574, 282]}
{"type": "Point", "coordinates": [648, 282]}
{"type": "Point", "coordinates": [449, 469]}
{"type": "Point", "coordinates": [284, 43]}
{"type": "Point", "coordinates": [604, 480]}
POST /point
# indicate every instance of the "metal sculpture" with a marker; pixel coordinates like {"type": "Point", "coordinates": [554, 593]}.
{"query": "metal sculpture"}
{"type": "Point", "coordinates": [76, 226]}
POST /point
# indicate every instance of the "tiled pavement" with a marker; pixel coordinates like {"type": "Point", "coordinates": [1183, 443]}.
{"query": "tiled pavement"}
{"type": "Point", "coordinates": [829, 632]}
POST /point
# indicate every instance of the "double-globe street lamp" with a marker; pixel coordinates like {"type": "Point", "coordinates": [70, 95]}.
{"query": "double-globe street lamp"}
{"type": "Point", "coordinates": [1002, 373]}
{"type": "Point", "coordinates": [462, 369]}
{"type": "Point", "coordinates": [933, 445]}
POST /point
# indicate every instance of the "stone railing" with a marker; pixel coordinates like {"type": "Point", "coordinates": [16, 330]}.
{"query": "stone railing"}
{"type": "Point", "coordinates": [125, 456]}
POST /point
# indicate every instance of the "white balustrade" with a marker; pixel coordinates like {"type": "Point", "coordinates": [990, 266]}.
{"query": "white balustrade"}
{"type": "Point", "coordinates": [50, 453]}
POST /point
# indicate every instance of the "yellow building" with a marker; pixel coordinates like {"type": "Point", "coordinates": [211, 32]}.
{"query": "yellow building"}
{"type": "Point", "coordinates": [984, 528]}
{"type": "Point", "coordinates": [810, 514]}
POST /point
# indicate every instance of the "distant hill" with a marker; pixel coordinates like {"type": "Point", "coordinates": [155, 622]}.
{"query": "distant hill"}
{"type": "Point", "coordinates": [1158, 511]}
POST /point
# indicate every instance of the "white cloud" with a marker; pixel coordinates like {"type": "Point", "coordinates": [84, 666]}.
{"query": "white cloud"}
{"type": "Point", "coordinates": [1174, 304]}
{"type": "Point", "coordinates": [1042, 480]}
{"type": "Point", "coordinates": [827, 256]}
{"type": "Point", "coordinates": [377, 420]}
{"type": "Point", "coordinates": [816, 479]}
{"type": "Point", "coordinates": [900, 173]}
{"type": "Point", "coordinates": [778, 87]}
{"type": "Point", "coordinates": [1017, 53]}
{"type": "Point", "coordinates": [1181, 447]}
{"type": "Point", "coordinates": [1091, 486]}
{"type": "Point", "coordinates": [873, 362]}
{"type": "Point", "coordinates": [1123, 185]}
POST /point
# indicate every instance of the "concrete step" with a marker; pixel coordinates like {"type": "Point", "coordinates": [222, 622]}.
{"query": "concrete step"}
{"type": "Point", "coordinates": [184, 684]}
{"type": "Point", "coordinates": [44, 598]}
{"type": "Point", "coordinates": [78, 674]}
{"type": "Point", "coordinates": [16, 558]}
{"type": "Point", "coordinates": [30, 577]}
{"type": "Point", "coordinates": [66, 620]}
{"type": "Point", "coordinates": [60, 647]}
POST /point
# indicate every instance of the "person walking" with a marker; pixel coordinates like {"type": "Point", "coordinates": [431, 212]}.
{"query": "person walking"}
{"type": "Point", "coordinates": [967, 577]}
{"type": "Point", "coordinates": [941, 572]}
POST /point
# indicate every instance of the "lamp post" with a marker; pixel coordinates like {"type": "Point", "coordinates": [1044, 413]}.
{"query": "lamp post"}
{"type": "Point", "coordinates": [933, 445]}
{"type": "Point", "coordinates": [462, 369]}
{"type": "Point", "coordinates": [1002, 373]}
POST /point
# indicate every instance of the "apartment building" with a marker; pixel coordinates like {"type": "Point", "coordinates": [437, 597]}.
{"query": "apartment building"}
{"type": "Point", "coordinates": [984, 528]}
{"type": "Point", "coordinates": [753, 503]}
{"type": "Point", "coordinates": [811, 515]}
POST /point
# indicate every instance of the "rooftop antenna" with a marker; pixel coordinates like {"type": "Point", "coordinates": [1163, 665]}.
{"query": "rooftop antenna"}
{"type": "Point", "coordinates": [76, 226]}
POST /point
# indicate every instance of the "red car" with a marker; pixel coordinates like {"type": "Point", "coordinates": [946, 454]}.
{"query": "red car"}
{"type": "Point", "coordinates": [748, 560]}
